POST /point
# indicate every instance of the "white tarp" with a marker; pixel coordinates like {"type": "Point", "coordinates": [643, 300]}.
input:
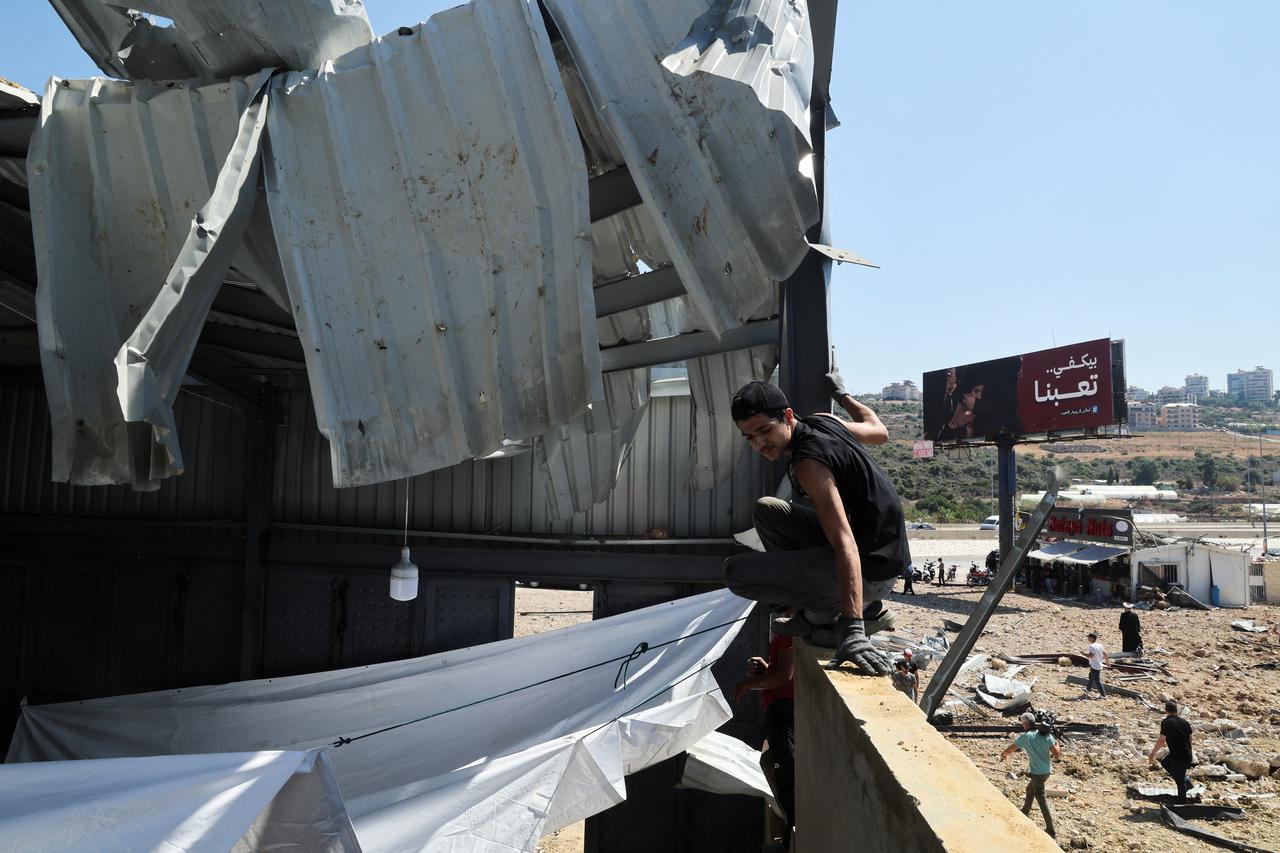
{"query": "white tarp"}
{"type": "Point", "coordinates": [510, 740]}
{"type": "Point", "coordinates": [725, 765]}
{"type": "Point", "coordinates": [231, 801]}
{"type": "Point", "coordinates": [429, 200]}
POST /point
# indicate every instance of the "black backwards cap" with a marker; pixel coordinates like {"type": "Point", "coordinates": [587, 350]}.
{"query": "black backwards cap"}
{"type": "Point", "coordinates": [756, 398]}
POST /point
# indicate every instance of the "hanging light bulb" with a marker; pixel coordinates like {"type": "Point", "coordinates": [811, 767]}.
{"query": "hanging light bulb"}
{"type": "Point", "coordinates": [404, 574]}
{"type": "Point", "coordinates": [404, 578]}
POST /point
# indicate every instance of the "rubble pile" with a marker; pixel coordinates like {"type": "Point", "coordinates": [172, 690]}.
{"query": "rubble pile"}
{"type": "Point", "coordinates": [1223, 676]}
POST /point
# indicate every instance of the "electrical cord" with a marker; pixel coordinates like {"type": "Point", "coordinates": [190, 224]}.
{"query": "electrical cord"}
{"type": "Point", "coordinates": [623, 661]}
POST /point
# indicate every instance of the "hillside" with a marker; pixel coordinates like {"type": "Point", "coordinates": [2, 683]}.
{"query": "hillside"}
{"type": "Point", "coordinates": [1215, 471]}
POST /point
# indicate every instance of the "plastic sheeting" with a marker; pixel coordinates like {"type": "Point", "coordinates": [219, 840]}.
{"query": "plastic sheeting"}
{"type": "Point", "coordinates": [213, 38]}
{"type": "Point", "coordinates": [512, 740]}
{"type": "Point", "coordinates": [232, 801]}
{"type": "Point", "coordinates": [715, 144]}
{"type": "Point", "coordinates": [117, 172]}
{"type": "Point", "coordinates": [430, 204]}
{"type": "Point", "coordinates": [725, 765]}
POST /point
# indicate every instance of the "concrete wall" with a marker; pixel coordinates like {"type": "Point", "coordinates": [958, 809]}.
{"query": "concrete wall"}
{"type": "Point", "coordinates": [872, 775]}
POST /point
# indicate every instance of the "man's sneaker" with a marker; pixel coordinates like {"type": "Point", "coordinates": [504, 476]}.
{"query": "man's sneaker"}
{"type": "Point", "coordinates": [884, 622]}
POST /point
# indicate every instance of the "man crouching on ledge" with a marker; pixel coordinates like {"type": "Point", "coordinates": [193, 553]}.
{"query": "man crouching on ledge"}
{"type": "Point", "coordinates": [823, 562]}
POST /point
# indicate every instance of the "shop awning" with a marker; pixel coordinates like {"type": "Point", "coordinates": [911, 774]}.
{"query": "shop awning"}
{"type": "Point", "coordinates": [1057, 550]}
{"type": "Point", "coordinates": [1094, 554]}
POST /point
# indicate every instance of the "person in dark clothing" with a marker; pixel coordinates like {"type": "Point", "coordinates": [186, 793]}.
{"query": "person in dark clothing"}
{"type": "Point", "coordinates": [837, 560]}
{"type": "Point", "coordinates": [908, 580]}
{"type": "Point", "coordinates": [774, 678]}
{"type": "Point", "coordinates": [1175, 733]}
{"type": "Point", "coordinates": [1130, 630]}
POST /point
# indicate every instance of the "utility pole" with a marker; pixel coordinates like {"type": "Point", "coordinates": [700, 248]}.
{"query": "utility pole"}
{"type": "Point", "coordinates": [1262, 488]}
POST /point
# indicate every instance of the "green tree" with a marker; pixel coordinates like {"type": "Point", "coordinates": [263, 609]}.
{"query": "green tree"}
{"type": "Point", "coordinates": [1145, 471]}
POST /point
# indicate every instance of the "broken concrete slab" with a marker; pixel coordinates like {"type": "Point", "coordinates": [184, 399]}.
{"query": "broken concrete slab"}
{"type": "Point", "coordinates": [1249, 625]}
{"type": "Point", "coordinates": [1162, 792]}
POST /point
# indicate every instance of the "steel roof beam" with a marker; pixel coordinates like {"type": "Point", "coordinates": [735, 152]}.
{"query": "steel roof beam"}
{"type": "Point", "coordinates": [638, 290]}
{"type": "Point", "coordinates": [612, 193]}
{"type": "Point", "coordinates": [687, 346]}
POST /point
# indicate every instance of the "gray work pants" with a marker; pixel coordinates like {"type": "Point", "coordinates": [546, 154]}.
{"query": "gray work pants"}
{"type": "Point", "coordinates": [1035, 790]}
{"type": "Point", "coordinates": [798, 568]}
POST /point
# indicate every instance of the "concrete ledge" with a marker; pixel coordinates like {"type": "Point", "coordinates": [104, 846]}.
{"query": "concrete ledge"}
{"type": "Point", "coordinates": [873, 775]}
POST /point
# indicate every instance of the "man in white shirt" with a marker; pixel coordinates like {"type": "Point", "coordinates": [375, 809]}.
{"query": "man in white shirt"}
{"type": "Point", "coordinates": [1097, 662]}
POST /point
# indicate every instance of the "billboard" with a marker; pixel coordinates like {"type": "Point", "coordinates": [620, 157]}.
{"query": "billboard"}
{"type": "Point", "coordinates": [1105, 526]}
{"type": "Point", "coordinates": [1072, 388]}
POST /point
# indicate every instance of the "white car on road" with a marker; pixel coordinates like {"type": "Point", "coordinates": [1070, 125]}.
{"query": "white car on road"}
{"type": "Point", "coordinates": [991, 522]}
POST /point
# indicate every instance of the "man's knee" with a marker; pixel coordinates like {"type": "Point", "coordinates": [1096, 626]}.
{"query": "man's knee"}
{"type": "Point", "coordinates": [734, 571]}
{"type": "Point", "coordinates": [768, 510]}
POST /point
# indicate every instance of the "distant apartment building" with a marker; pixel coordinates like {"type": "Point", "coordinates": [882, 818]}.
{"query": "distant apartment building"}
{"type": "Point", "coordinates": [1143, 415]}
{"type": "Point", "coordinates": [1168, 394]}
{"type": "Point", "coordinates": [1256, 384]}
{"type": "Point", "coordinates": [1136, 393]}
{"type": "Point", "coordinates": [904, 390]}
{"type": "Point", "coordinates": [1198, 385]}
{"type": "Point", "coordinates": [1180, 416]}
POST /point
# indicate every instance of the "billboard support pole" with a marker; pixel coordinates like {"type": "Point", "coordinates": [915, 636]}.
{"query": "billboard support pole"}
{"type": "Point", "coordinates": [1008, 486]}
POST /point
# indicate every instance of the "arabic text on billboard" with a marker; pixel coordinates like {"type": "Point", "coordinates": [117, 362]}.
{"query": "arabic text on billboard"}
{"type": "Point", "coordinates": [1057, 390]}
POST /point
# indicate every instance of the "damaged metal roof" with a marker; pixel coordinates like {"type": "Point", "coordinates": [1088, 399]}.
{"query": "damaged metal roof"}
{"type": "Point", "coordinates": [430, 205]}
{"type": "Point", "coordinates": [117, 171]}
{"type": "Point", "coordinates": [428, 200]}
{"type": "Point", "coordinates": [213, 40]}
{"type": "Point", "coordinates": [730, 178]}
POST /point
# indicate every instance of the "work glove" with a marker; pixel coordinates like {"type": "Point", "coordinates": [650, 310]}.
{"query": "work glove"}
{"type": "Point", "coordinates": [835, 385]}
{"type": "Point", "coordinates": [856, 649]}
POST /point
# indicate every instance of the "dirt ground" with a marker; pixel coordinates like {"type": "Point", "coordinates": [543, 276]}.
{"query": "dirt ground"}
{"type": "Point", "coordinates": [1215, 677]}
{"type": "Point", "coordinates": [1170, 444]}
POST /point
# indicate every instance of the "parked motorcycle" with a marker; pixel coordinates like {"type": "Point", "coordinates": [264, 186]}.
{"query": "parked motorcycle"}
{"type": "Point", "coordinates": [977, 576]}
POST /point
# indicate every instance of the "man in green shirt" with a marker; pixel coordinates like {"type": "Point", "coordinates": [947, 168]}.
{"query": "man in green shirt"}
{"type": "Point", "coordinates": [1039, 745]}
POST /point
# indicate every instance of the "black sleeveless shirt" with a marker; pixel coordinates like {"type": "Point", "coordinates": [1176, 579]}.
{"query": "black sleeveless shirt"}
{"type": "Point", "coordinates": [870, 500]}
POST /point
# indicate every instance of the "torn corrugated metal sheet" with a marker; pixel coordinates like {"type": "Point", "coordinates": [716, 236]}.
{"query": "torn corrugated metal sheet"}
{"type": "Point", "coordinates": [151, 365]}
{"type": "Point", "coordinates": [730, 175]}
{"type": "Point", "coordinates": [713, 380]}
{"type": "Point", "coordinates": [117, 171]}
{"type": "Point", "coordinates": [213, 40]}
{"type": "Point", "coordinates": [430, 204]}
{"type": "Point", "coordinates": [580, 461]}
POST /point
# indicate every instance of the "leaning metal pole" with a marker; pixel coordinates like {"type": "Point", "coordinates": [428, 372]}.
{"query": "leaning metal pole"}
{"type": "Point", "coordinates": [972, 629]}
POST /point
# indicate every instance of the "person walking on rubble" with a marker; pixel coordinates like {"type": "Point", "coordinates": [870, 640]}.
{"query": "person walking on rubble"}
{"type": "Point", "coordinates": [1038, 743]}
{"type": "Point", "coordinates": [1130, 631]}
{"type": "Point", "coordinates": [1175, 733]}
{"type": "Point", "coordinates": [837, 560]}
{"type": "Point", "coordinates": [1097, 662]}
{"type": "Point", "coordinates": [775, 679]}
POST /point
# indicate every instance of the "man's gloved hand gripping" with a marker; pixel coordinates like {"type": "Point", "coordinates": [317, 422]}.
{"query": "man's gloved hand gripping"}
{"type": "Point", "coordinates": [856, 649]}
{"type": "Point", "coordinates": [835, 385]}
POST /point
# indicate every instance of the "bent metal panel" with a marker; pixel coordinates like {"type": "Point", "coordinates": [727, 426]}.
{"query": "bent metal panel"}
{"type": "Point", "coordinates": [1064, 389]}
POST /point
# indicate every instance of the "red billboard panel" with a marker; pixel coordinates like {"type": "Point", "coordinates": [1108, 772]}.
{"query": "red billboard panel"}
{"type": "Point", "coordinates": [1061, 390]}
{"type": "Point", "coordinates": [1066, 388]}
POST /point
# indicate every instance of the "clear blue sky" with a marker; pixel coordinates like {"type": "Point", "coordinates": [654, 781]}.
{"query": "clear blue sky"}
{"type": "Point", "coordinates": [1025, 173]}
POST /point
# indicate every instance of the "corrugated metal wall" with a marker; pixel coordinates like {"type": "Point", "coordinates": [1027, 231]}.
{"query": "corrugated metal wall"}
{"type": "Point", "coordinates": [505, 496]}
{"type": "Point", "coordinates": [213, 436]}
{"type": "Point", "coordinates": [508, 495]}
